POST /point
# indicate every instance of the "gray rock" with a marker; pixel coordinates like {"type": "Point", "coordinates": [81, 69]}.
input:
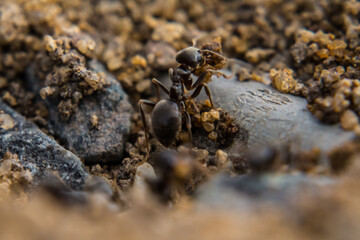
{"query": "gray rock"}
{"type": "Point", "coordinates": [104, 143]}
{"type": "Point", "coordinates": [38, 152]}
{"type": "Point", "coordinates": [270, 117]}
{"type": "Point", "coordinates": [250, 192]}
{"type": "Point", "coordinates": [97, 196]}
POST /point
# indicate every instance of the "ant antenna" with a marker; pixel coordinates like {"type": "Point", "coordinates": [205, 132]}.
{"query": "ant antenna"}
{"type": "Point", "coordinates": [218, 74]}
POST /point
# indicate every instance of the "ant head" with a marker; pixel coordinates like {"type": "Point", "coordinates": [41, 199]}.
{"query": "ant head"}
{"type": "Point", "coordinates": [190, 56]}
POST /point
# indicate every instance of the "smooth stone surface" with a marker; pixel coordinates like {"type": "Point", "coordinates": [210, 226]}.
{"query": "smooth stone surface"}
{"type": "Point", "coordinates": [39, 153]}
{"type": "Point", "coordinates": [271, 118]}
{"type": "Point", "coordinates": [102, 144]}
{"type": "Point", "coordinates": [251, 192]}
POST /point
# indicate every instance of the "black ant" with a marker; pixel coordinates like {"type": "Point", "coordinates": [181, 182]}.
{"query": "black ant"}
{"type": "Point", "coordinates": [166, 117]}
{"type": "Point", "coordinates": [202, 62]}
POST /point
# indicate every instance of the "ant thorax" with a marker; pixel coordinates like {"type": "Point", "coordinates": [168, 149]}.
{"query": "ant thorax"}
{"type": "Point", "coordinates": [176, 92]}
{"type": "Point", "coordinates": [183, 71]}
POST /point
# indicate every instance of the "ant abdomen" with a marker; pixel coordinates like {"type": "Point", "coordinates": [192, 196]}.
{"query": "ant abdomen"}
{"type": "Point", "coordinates": [166, 121]}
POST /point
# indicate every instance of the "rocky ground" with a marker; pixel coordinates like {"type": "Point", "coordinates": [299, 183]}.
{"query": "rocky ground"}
{"type": "Point", "coordinates": [278, 157]}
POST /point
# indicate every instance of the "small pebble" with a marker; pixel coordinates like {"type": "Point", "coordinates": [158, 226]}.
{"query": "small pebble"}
{"type": "Point", "coordinates": [10, 99]}
{"type": "Point", "coordinates": [349, 120]}
{"type": "Point", "coordinates": [6, 121]}
{"type": "Point", "coordinates": [208, 126]}
{"type": "Point", "coordinates": [3, 82]}
{"type": "Point", "coordinates": [201, 154]}
{"type": "Point", "coordinates": [283, 80]}
{"type": "Point", "coordinates": [213, 136]}
{"type": "Point", "coordinates": [142, 86]}
{"type": "Point", "coordinates": [205, 117]}
{"type": "Point", "coordinates": [220, 157]}
{"type": "Point", "coordinates": [168, 32]}
{"type": "Point", "coordinates": [139, 60]}
{"type": "Point", "coordinates": [215, 115]}
{"type": "Point", "coordinates": [94, 121]}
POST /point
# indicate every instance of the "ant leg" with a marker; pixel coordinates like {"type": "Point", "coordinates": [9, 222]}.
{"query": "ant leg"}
{"type": "Point", "coordinates": [187, 83]}
{"type": "Point", "coordinates": [151, 104]}
{"type": "Point", "coordinates": [188, 123]}
{"type": "Point", "coordinates": [194, 105]}
{"type": "Point", "coordinates": [207, 91]}
{"type": "Point", "coordinates": [188, 126]}
{"type": "Point", "coordinates": [159, 85]}
{"type": "Point", "coordinates": [192, 102]}
{"type": "Point", "coordinates": [199, 81]}
{"type": "Point", "coordinates": [218, 74]}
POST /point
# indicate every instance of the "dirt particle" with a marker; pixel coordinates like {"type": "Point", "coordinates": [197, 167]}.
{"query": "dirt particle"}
{"type": "Point", "coordinates": [213, 136]}
{"type": "Point", "coordinates": [283, 80]}
{"type": "Point", "coordinates": [6, 121]}
{"type": "Point", "coordinates": [139, 60]}
{"type": "Point", "coordinates": [10, 99]}
{"type": "Point", "coordinates": [94, 120]}
{"type": "Point", "coordinates": [256, 55]}
{"type": "Point", "coordinates": [168, 32]}
{"type": "Point", "coordinates": [220, 158]}
{"type": "Point", "coordinates": [208, 126]}
{"type": "Point", "coordinates": [200, 154]}
{"type": "Point", "coordinates": [349, 120]}
{"type": "Point", "coordinates": [215, 115]}
{"type": "Point", "coordinates": [3, 82]}
{"type": "Point", "coordinates": [143, 85]}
